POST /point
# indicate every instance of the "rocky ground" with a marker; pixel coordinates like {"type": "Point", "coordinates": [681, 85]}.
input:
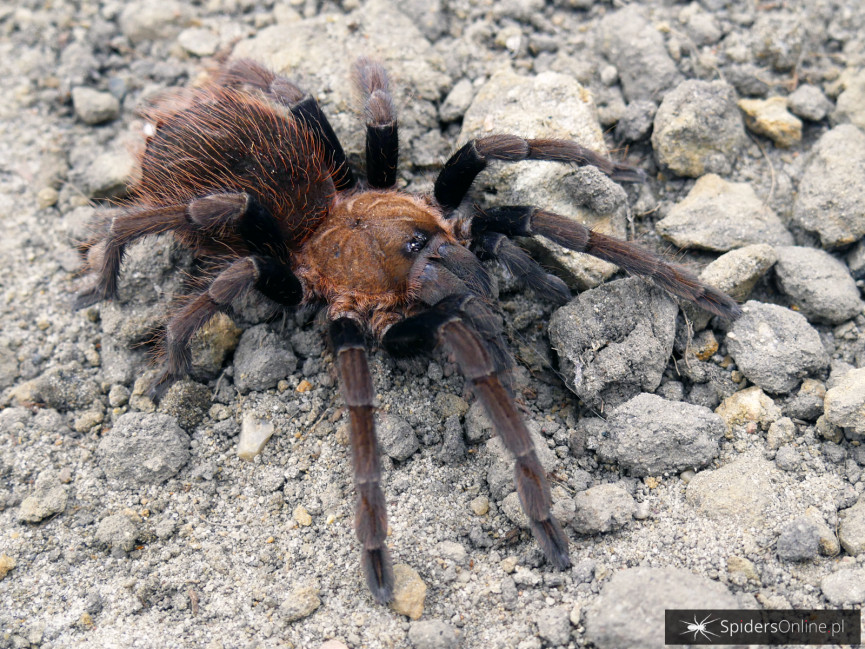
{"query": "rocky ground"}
{"type": "Point", "coordinates": [695, 462]}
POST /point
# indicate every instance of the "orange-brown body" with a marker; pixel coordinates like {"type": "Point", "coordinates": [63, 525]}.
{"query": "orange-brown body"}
{"type": "Point", "coordinates": [358, 261]}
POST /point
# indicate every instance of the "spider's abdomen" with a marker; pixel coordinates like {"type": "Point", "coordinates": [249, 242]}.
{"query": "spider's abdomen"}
{"type": "Point", "coordinates": [227, 140]}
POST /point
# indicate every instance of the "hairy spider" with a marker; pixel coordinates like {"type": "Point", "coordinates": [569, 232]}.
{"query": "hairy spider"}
{"type": "Point", "coordinates": [247, 172]}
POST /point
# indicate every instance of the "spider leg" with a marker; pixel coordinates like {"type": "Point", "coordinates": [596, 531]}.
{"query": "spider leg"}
{"type": "Point", "coordinates": [303, 106]}
{"type": "Point", "coordinates": [218, 217]}
{"type": "Point", "coordinates": [265, 274]}
{"type": "Point", "coordinates": [494, 245]}
{"type": "Point", "coordinates": [371, 517]}
{"type": "Point", "coordinates": [462, 167]}
{"type": "Point", "coordinates": [528, 221]}
{"type": "Point", "coordinates": [444, 324]}
{"type": "Point", "coordinates": [124, 228]}
{"type": "Point", "coordinates": [382, 141]}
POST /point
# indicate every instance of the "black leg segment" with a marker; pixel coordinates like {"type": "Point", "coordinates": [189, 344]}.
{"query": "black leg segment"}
{"type": "Point", "coordinates": [528, 221]}
{"type": "Point", "coordinates": [493, 245]}
{"type": "Point", "coordinates": [462, 168]}
{"type": "Point", "coordinates": [265, 274]}
{"type": "Point", "coordinates": [382, 131]}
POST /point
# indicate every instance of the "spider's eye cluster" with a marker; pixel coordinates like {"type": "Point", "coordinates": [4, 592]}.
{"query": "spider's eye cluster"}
{"type": "Point", "coordinates": [417, 242]}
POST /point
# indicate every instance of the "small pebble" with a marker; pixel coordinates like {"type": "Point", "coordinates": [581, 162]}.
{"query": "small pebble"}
{"type": "Point", "coordinates": [780, 432]}
{"type": "Point", "coordinates": [480, 505]}
{"type": "Point", "coordinates": [819, 284]}
{"type": "Point", "coordinates": [749, 405]}
{"type": "Point", "coordinates": [198, 42]}
{"type": "Point", "coordinates": [7, 563]}
{"type": "Point", "coordinates": [742, 489]}
{"type": "Point", "coordinates": [513, 510]}
{"type": "Point", "coordinates": [48, 498]}
{"type": "Point", "coordinates": [94, 107]}
{"type": "Point", "coordinates": [720, 215]}
{"type": "Point", "coordinates": [554, 625]}
{"type": "Point", "coordinates": [742, 566]}
{"type": "Point", "coordinates": [799, 540]}
{"type": "Point", "coordinates": [452, 551]}
{"type": "Point", "coordinates": [770, 117]}
{"type": "Point", "coordinates": [47, 197]}
{"type": "Point", "coordinates": [432, 634]}
{"type": "Point", "coordinates": [845, 586]}
{"type": "Point", "coordinates": [851, 531]}
{"type": "Point", "coordinates": [299, 603]}
{"type": "Point", "coordinates": [509, 564]}
{"type": "Point", "coordinates": [698, 129]}
{"type": "Point", "coordinates": [775, 348]}
{"type": "Point", "coordinates": [845, 402]}
{"type": "Point", "coordinates": [254, 434]}
{"type": "Point", "coordinates": [831, 197]}
{"type": "Point", "coordinates": [396, 437]}
{"type": "Point", "coordinates": [809, 102]}
{"type": "Point", "coordinates": [302, 516]}
{"type": "Point", "coordinates": [787, 458]}
{"type": "Point", "coordinates": [409, 592]}
{"type": "Point", "coordinates": [87, 420]}
{"type": "Point", "coordinates": [117, 531]}
{"type": "Point", "coordinates": [603, 508]}
{"type": "Point", "coordinates": [457, 102]}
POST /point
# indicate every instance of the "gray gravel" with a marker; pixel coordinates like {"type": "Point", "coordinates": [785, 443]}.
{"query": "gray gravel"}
{"type": "Point", "coordinates": [630, 609]}
{"type": "Point", "coordinates": [128, 525]}
{"type": "Point", "coordinates": [649, 435]}
{"type": "Point", "coordinates": [818, 284]}
{"type": "Point", "coordinates": [775, 347]}
{"type": "Point", "coordinates": [614, 341]}
{"type": "Point", "coordinates": [719, 215]}
{"type": "Point", "coordinates": [698, 129]}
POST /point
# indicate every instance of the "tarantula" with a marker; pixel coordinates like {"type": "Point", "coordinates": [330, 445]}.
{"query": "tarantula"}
{"type": "Point", "coordinates": [247, 172]}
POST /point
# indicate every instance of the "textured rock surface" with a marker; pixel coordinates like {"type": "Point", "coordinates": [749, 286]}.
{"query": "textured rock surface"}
{"type": "Point", "coordinates": [630, 609]}
{"type": "Point", "coordinates": [741, 490]}
{"type": "Point", "coordinates": [831, 198]}
{"type": "Point", "coordinates": [718, 215]}
{"type": "Point", "coordinates": [649, 435]}
{"type": "Point", "coordinates": [614, 341]}
{"type": "Point", "coordinates": [549, 105]}
{"type": "Point", "coordinates": [845, 402]}
{"type": "Point", "coordinates": [771, 118]}
{"type": "Point", "coordinates": [775, 347]}
{"type": "Point", "coordinates": [143, 449]}
{"type": "Point", "coordinates": [698, 129]}
{"type": "Point", "coordinates": [818, 284]}
{"type": "Point", "coordinates": [636, 48]}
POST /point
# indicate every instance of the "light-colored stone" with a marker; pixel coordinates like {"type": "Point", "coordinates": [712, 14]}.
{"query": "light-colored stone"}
{"type": "Point", "coordinates": [549, 105]}
{"type": "Point", "coordinates": [851, 531]}
{"type": "Point", "coordinates": [771, 118]}
{"type": "Point", "coordinates": [845, 403]}
{"type": "Point", "coordinates": [409, 591]}
{"type": "Point", "coordinates": [254, 434]}
{"type": "Point", "coordinates": [7, 563]}
{"type": "Point", "coordinates": [719, 215]}
{"type": "Point", "coordinates": [300, 603]}
{"type": "Point", "coordinates": [741, 490]}
{"type": "Point", "coordinates": [749, 405]}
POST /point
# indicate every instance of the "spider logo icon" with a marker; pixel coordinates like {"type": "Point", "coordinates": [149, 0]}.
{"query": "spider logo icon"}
{"type": "Point", "coordinates": [698, 628]}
